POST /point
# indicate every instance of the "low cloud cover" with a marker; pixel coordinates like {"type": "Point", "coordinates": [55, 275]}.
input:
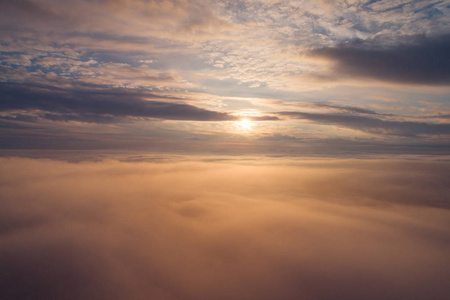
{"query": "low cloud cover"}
{"type": "Point", "coordinates": [245, 228]}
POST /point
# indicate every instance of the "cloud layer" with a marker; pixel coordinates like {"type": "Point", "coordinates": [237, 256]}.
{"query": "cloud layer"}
{"type": "Point", "coordinates": [240, 229]}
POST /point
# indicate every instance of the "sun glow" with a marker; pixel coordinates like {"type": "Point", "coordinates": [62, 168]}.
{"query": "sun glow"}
{"type": "Point", "coordinates": [246, 124]}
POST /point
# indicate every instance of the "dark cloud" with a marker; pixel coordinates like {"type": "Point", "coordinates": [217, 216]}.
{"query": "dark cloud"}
{"type": "Point", "coordinates": [243, 229]}
{"type": "Point", "coordinates": [25, 9]}
{"type": "Point", "coordinates": [372, 124]}
{"type": "Point", "coordinates": [348, 109]}
{"type": "Point", "coordinates": [264, 118]}
{"type": "Point", "coordinates": [103, 105]}
{"type": "Point", "coordinates": [280, 137]}
{"type": "Point", "coordinates": [413, 60]}
{"type": "Point", "coordinates": [75, 16]}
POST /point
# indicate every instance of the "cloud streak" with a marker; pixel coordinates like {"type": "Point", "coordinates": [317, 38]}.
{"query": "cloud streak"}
{"type": "Point", "coordinates": [372, 124]}
{"type": "Point", "coordinates": [99, 106]}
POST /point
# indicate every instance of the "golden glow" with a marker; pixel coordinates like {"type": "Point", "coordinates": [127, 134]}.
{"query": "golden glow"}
{"type": "Point", "coordinates": [246, 124]}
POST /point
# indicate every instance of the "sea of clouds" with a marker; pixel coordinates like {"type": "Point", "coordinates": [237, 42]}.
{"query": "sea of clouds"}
{"type": "Point", "coordinates": [238, 228]}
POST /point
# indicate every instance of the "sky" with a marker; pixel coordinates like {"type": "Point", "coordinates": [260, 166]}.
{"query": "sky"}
{"type": "Point", "coordinates": [226, 77]}
{"type": "Point", "coordinates": [247, 149]}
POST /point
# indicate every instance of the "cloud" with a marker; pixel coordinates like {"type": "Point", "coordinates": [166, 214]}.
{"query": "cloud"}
{"type": "Point", "coordinates": [201, 52]}
{"type": "Point", "coordinates": [372, 124]}
{"type": "Point", "coordinates": [415, 60]}
{"type": "Point", "coordinates": [340, 108]}
{"type": "Point", "coordinates": [230, 229]}
{"type": "Point", "coordinates": [100, 105]}
{"type": "Point", "coordinates": [325, 106]}
{"type": "Point", "coordinates": [264, 118]}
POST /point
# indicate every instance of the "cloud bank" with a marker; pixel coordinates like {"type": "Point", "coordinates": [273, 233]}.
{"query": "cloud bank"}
{"type": "Point", "coordinates": [241, 229]}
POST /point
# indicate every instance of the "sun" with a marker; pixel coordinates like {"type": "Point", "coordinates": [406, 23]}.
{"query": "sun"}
{"type": "Point", "coordinates": [246, 124]}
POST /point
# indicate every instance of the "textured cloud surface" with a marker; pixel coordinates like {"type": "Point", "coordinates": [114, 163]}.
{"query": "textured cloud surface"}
{"type": "Point", "coordinates": [239, 229]}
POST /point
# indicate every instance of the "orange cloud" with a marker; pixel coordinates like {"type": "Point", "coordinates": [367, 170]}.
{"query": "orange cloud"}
{"type": "Point", "coordinates": [230, 229]}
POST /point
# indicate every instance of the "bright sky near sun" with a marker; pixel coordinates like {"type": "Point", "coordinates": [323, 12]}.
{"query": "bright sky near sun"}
{"type": "Point", "coordinates": [246, 124]}
{"type": "Point", "coordinates": [177, 74]}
